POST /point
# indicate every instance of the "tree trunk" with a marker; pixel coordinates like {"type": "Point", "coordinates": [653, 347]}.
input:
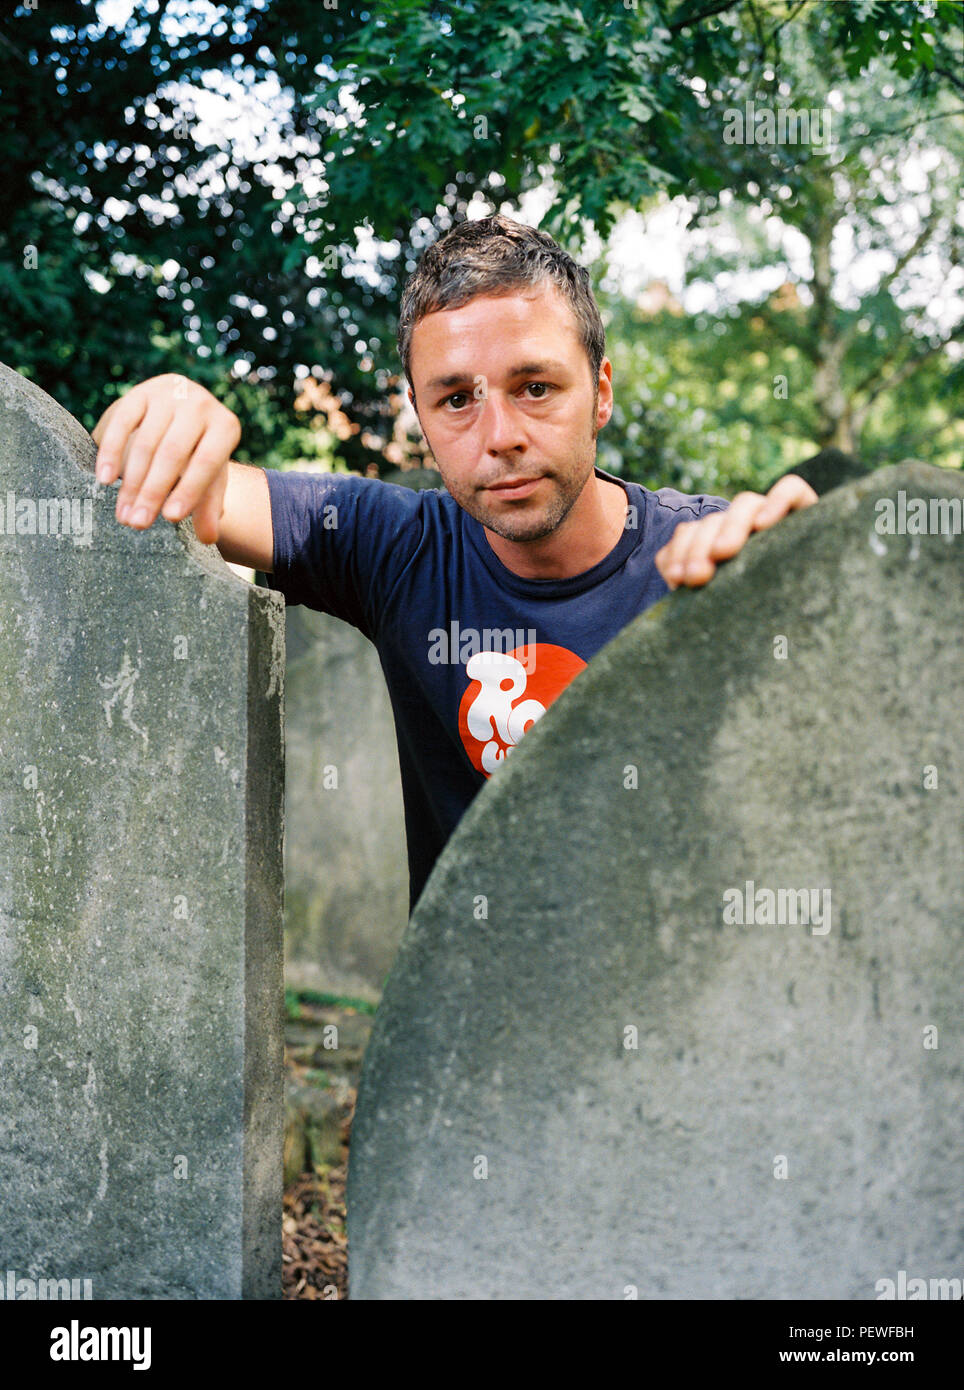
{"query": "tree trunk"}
{"type": "Point", "coordinates": [834, 425]}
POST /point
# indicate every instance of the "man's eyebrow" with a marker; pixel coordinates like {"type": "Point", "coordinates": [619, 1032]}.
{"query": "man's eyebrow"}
{"type": "Point", "coordinates": [547, 368]}
{"type": "Point", "coordinates": [456, 379]}
{"type": "Point", "coordinates": [544, 368]}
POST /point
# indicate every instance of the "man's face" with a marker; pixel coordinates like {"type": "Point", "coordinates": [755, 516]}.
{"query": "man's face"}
{"type": "Point", "coordinates": [506, 400]}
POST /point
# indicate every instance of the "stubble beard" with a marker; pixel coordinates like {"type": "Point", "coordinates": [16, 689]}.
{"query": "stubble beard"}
{"type": "Point", "coordinates": [516, 525]}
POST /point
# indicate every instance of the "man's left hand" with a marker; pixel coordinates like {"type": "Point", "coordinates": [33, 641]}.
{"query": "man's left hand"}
{"type": "Point", "coordinates": [691, 555]}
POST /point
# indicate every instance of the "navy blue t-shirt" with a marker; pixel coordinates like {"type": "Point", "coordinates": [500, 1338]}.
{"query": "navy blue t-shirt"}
{"type": "Point", "coordinates": [472, 653]}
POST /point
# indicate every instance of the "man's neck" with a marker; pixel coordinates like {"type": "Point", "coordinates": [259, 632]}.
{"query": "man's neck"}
{"type": "Point", "coordinates": [587, 535]}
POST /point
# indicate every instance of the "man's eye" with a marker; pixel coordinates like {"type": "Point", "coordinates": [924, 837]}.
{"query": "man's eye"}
{"type": "Point", "coordinates": [456, 401]}
{"type": "Point", "coordinates": [542, 389]}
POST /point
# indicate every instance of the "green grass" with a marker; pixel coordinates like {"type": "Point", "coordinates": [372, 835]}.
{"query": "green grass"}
{"type": "Point", "coordinates": [295, 998]}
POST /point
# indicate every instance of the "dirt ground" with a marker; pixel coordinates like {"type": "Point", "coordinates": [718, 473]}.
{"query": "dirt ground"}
{"type": "Point", "coordinates": [314, 1240]}
{"type": "Point", "coordinates": [321, 1084]}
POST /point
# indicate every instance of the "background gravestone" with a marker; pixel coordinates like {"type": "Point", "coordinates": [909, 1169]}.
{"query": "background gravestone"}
{"type": "Point", "coordinates": [140, 890]}
{"type": "Point", "coordinates": [785, 1120]}
{"type": "Point", "coordinates": [830, 468]}
{"type": "Point", "coordinates": [346, 872]}
{"type": "Point", "coordinates": [416, 478]}
{"type": "Point", "coordinates": [346, 869]}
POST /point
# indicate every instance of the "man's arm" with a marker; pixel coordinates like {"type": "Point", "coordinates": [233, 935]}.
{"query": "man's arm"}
{"type": "Point", "coordinates": [695, 548]}
{"type": "Point", "coordinates": [170, 441]}
{"type": "Point", "coordinates": [245, 536]}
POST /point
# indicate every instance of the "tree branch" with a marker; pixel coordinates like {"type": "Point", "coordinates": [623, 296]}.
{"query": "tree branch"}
{"type": "Point", "coordinates": [758, 27]}
{"type": "Point", "coordinates": [12, 46]}
{"type": "Point", "coordinates": [701, 14]}
{"type": "Point", "coordinates": [908, 368]}
{"type": "Point", "coordinates": [786, 20]}
{"type": "Point", "coordinates": [899, 130]}
{"type": "Point", "coordinates": [952, 78]}
{"type": "Point", "coordinates": [903, 260]}
{"type": "Point", "coordinates": [929, 224]}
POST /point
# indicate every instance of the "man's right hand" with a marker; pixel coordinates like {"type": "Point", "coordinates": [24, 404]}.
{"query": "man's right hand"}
{"type": "Point", "coordinates": [170, 441]}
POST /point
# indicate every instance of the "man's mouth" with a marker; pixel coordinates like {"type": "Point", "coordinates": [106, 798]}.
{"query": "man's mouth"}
{"type": "Point", "coordinates": [509, 488]}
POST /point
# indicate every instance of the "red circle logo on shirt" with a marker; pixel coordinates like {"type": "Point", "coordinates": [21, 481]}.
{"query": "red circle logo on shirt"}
{"type": "Point", "coordinates": [507, 693]}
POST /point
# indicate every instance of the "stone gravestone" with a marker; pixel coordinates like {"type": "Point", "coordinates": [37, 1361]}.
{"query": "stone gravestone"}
{"type": "Point", "coordinates": [346, 872]}
{"type": "Point", "coordinates": [416, 478]}
{"type": "Point", "coordinates": [830, 468]}
{"type": "Point", "coordinates": [346, 869]}
{"type": "Point", "coordinates": [140, 891]}
{"type": "Point", "coordinates": [678, 1015]}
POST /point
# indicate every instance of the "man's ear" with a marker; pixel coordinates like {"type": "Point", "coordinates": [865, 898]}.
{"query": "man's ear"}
{"type": "Point", "coordinates": [604, 399]}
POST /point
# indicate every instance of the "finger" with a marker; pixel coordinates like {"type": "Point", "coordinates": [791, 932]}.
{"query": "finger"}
{"type": "Point", "coordinates": [685, 543]}
{"type": "Point", "coordinates": [788, 494]}
{"type": "Point", "coordinates": [116, 426]}
{"type": "Point", "coordinates": [671, 559]}
{"type": "Point", "coordinates": [169, 461]}
{"type": "Point", "coordinates": [213, 451]}
{"type": "Point", "coordinates": [98, 430]}
{"type": "Point", "coordinates": [207, 514]}
{"type": "Point", "coordinates": [140, 451]}
{"type": "Point", "coordinates": [699, 564]}
{"type": "Point", "coordinates": [738, 523]}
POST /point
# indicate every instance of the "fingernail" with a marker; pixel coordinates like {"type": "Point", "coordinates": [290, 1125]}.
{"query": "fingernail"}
{"type": "Point", "coordinates": [103, 472]}
{"type": "Point", "coordinates": [675, 572]}
{"type": "Point", "coordinates": [123, 511]}
{"type": "Point", "coordinates": [140, 517]}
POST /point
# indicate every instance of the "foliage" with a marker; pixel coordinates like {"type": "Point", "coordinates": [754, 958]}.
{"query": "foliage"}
{"type": "Point", "coordinates": [485, 97]}
{"type": "Point", "coordinates": [206, 186]}
{"type": "Point", "coordinates": [612, 105]}
{"type": "Point", "coordinates": [159, 237]}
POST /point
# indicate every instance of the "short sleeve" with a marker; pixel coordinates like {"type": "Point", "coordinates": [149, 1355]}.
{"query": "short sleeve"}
{"type": "Point", "coordinates": [668, 509]}
{"type": "Point", "coordinates": [341, 542]}
{"type": "Point", "coordinates": [690, 506]}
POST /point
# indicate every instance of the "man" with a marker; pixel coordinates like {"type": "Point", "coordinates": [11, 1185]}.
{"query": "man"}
{"type": "Point", "coordinates": [484, 601]}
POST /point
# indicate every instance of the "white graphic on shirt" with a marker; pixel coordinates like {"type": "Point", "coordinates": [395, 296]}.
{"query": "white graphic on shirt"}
{"type": "Point", "coordinates": [494, 711]}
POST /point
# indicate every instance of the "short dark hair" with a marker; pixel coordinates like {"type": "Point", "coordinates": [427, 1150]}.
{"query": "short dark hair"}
{"type": "Point", "coordinates": [496, 255]}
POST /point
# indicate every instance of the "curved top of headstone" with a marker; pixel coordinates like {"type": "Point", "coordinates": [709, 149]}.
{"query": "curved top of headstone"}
{"type": "Point", "coordinates": [830, 468]}
{"type": "Point", "coordinates": [64, 466]}
{"type": "Point", "coordinates": [417, 478]}
{"type": "Point", "coordinates": [601, 1063]}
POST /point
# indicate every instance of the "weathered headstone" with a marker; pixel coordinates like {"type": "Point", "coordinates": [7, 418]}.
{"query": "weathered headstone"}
{"type": "Point", "coordinates": [602, 1067]}
{"type": "Point", "coordinates": [346, 871]}
{"type": "Point", "coordinates": [416, 478]}
{"type": "Point", "coordinates": [830, 468]}
{"type": "Point", "coordinates": [140, 891]}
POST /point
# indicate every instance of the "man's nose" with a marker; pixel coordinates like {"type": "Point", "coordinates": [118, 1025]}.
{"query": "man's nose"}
{"type": "Point", "coordinates": [502, 431]}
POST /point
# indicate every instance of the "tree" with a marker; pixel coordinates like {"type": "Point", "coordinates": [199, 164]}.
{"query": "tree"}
{"type": "Point", "coordinates": [484, 102]}
{"type": "Point", "coordinates": [141, 233]}
{"type": "Point", "coordinates": [858, 200]}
